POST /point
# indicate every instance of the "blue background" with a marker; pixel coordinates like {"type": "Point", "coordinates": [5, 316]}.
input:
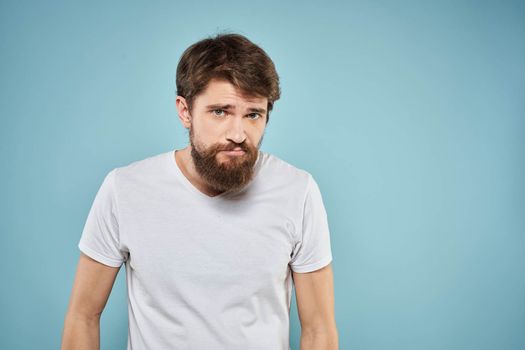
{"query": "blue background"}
{"type": "Point", "coordinates": [409, 114]}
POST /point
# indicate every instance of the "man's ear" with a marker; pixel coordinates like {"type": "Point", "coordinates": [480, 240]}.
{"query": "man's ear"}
{"type": "Point", "coordinates": [184, 112]}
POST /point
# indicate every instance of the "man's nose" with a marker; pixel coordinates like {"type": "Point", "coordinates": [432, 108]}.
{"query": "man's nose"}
{"type": "Point", "coordinates": [236, 130]}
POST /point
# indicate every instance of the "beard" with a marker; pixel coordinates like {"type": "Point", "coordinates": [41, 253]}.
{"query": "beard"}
{"type": "Point", "coordinates": [233, 173]}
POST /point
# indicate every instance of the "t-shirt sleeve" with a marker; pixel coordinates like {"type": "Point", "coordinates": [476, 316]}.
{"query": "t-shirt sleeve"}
{"type": "Point", "coordinates": [100, 238]}
{"type": "Point", "coordinates": [312, 251]}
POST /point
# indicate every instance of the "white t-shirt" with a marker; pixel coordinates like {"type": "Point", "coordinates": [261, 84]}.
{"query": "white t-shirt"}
{"type": "Point", "coordinates": [208, 272]}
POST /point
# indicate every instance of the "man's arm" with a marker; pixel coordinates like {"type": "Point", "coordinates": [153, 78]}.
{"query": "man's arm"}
{"type": "Point", "coordinates": [91, 289]}
{"type": "Point", "coordinates": [315, 305]}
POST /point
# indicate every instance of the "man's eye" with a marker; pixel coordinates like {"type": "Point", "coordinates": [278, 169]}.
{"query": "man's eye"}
{"type": "Point", "coordinates": [254, 116]}
{"type": "Point", "coordinates": [218, 112]}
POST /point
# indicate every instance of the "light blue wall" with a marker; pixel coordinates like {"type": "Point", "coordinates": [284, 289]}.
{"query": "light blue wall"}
{"type": "Point", "coordinates": [410, 115]}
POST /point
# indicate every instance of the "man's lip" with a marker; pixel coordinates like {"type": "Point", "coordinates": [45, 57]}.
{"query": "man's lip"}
{"type": "Point", "coordinates": [234, 149]}
{"type": "Point", "coordinates": [234, 152]}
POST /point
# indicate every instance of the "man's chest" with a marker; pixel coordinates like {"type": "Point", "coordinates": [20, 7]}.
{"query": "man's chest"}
{"type": "Point", "coordinates": [171, 244]}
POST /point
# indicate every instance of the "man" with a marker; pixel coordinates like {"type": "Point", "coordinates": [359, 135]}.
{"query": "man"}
{"type": "Point", "coordinates": [212, 235]}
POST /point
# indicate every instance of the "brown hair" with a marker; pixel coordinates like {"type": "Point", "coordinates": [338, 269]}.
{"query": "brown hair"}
{"type": "Point", "coordinates": [231, 57]}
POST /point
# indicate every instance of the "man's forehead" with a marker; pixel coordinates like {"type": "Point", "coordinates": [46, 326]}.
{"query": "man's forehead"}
{"type": "Point", "coordinates": [223, 92]}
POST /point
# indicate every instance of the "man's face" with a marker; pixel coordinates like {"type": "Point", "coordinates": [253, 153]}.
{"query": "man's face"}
{"type": "Point", "coordinates": [226, 132]}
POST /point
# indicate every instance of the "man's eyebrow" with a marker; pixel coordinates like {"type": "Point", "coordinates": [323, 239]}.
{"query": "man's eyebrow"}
{"type": "Point", "coordinates": [227, 106]}
{"type": "Point", "coordinates": [257, 110]}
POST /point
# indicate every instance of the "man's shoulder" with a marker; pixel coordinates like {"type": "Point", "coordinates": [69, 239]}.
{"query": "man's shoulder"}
{"type": "Point", "coordinates": [279, 168]}
{"type": "Point", "coordinates": [143, 167]}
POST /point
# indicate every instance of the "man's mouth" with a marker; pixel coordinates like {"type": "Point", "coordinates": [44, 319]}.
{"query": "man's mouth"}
{"type": "Point", "coordinates": [235, 152]}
